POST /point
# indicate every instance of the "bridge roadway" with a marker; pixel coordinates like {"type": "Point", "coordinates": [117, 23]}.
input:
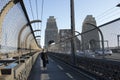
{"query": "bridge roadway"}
{"type": "Point", "coordinates": [56, 70]}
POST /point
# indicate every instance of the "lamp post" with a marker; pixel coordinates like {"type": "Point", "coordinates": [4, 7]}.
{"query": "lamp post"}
{"type": "Point", "coordinates": [72, 31]}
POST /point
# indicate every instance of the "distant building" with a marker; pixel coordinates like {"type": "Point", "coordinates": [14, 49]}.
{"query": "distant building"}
{"type": "Point", "coordinates": [65, 41]}
{"type": "Point", "coordinates": [51, 31]}
{"type": "Point", "coordinates": [90, 40]}
{"type": "Point", "coordinates": [65, 45]}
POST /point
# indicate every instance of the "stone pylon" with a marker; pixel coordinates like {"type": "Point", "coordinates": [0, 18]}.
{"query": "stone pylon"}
{"type": "Point", "coordinates": [51, 31]}
{"type": "Point", "coordinates": [90, 40]}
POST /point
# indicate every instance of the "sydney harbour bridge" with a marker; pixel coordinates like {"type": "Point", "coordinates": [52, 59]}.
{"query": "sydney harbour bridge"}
{"type": "Point", "coordinates": [92, 54]}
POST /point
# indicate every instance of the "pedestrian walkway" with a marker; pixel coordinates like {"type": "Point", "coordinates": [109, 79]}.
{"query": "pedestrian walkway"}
{"type": "Point", "coordinates": [54, 71]}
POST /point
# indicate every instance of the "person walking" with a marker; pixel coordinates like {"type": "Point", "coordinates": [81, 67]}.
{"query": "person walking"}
{"type": "Point", "coordinates": [44, 58]}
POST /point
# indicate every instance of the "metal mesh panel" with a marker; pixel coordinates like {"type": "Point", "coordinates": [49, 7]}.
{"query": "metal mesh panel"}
{"type": "Point", "coordinates": [24, 33]}
{"type": "Point", "coordinates": [3, 3]}
{"type": "Point", "coordinates": [11, 27]}
{"type": "Point", "coordinates": [110, 33]}
{"type": "Point", "coordinates": [13, 22]}
{"type": "Point", "coordinates": [31, 42]}
{"type": "Point", "coordinates": [23, 36]}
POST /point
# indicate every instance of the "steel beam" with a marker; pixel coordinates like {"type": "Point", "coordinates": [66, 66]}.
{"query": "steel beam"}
{"type": "Point", "coordinates": [19, 36]}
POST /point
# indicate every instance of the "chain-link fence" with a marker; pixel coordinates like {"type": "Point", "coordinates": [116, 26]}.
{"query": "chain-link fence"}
{"type": "Point", "coordinates": [97, 50]}
{"type": "Point", "coordinates": [94, 41]}
{"type": "Point", "coordinates": [13, 36]}
{"type": "Point", "coordinates": [3, 3]}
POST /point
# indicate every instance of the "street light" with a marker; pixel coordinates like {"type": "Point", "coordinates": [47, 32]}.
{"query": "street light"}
{"type": "Point", "coordinates": [72, 31]}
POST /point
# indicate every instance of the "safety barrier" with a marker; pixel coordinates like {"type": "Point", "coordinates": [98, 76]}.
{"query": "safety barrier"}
{"type": "Point", "coordinates": [20, 71]}
{"type": "Point", "coordinates": [16, 33]}
{"type": "Point", "coordinates": [101, 69]}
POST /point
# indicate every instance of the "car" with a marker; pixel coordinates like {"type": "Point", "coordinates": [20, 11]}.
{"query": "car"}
{"type": "Point", "coordinates": [80, 53]}
{"type": "Point", "coordinates": [89, 53]}
{"type": "Point", "coordinates": [99, 52]}
{"type": "Point", "coordinates": [106, 52]}
{"type": "Point", "coordinates": [86, 53]}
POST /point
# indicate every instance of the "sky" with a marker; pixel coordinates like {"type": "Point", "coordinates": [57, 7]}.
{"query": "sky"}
{"type": "Point", "coordinates": [103, 11]}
